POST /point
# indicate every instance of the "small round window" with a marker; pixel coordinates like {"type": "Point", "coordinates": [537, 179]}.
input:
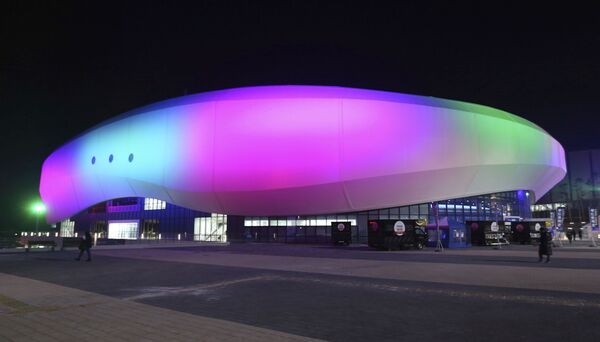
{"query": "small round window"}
{"type": "Point", "coordinates": [110, 158]}
{"type": "Point", "coordinates": [130, 157]}
{"type": "Point", "coordinates": [93, 160]}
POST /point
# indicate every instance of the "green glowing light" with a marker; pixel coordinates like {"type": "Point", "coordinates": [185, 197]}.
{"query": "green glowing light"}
{"type": "Point", "coordinates": [39, 208]}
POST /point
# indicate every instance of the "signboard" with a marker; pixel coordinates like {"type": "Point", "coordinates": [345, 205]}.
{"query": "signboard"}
{"type": "Point", "coordinates": [399, 228]}
{"type": "Point", "coordinates": [560, 216]}
{"type": "Point", "coordinates": [373, 226]}
{"type": "Point", "coordinates": [494, 227]}
{"type": "Point", "coordinates": [537, 226]}
{"type": "Point", "coordinates": [594, 218]}
{"type": "Point", "coordinates": [553, 219]}
{"type": "Point", "coordinates": [341, 232]}
{"type": "Point", "coordinates": [379, 231]}
{"type": "Point", "coordinates": [520, 227]}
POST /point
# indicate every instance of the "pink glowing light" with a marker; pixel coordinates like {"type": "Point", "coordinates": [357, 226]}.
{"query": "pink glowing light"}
{"type": "Point", "coordinates": [294, 150]}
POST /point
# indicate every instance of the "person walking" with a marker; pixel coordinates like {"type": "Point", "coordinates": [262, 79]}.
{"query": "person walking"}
{"type": "Point", "coordinates": [545, 247]}
{"type": "Point", "coordinates": [84, 246]}
{"type": "Point", "coordinates": [570, 235]}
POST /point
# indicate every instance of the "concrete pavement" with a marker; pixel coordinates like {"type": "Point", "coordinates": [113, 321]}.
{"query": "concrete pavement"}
{"type": "Point", "coordinates": [32, 310]}
{"type": "Point", "coordinates": [560, 279]}
{"type": "Point", "coordinates": [301, 291]}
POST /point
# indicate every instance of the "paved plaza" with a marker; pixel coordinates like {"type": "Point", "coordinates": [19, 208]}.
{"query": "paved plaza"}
{"type": "Point", "coordinates": [276, 292]}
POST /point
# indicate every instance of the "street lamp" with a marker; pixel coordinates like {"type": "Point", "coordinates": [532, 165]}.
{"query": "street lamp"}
{"type": "Point", "coordinates": [38, 209]}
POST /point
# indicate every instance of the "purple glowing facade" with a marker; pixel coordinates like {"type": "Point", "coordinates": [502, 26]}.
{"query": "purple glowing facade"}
{"type": "Point", "coordinates": [298, 150]}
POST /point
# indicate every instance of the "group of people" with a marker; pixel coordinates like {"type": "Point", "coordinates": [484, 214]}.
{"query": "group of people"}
{"type": "Point", "coordinates": [572, 234]}
{"type": "Point", "coordinates": [545, 247]}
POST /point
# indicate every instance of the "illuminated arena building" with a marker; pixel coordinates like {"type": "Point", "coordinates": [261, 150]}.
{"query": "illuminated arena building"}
{"type": "Point", "coordinates": [281, 163]}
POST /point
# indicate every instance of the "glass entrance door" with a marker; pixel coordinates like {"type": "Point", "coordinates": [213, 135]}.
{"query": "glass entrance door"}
{"type": "Point", "coordinates": [213, 228]}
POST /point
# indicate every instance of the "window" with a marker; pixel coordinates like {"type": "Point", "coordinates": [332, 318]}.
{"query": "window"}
{"type": "Point", "coordinates": [125, 201]}
{"type": "Point", "coordinates": [123, 230]}
{"type": "Point", "coordinates": [213, 228]}
{"type": "Point", "coordinates": [67, 228]}
{"type": "Point", "coordinates": [310, 221]}
{"type": "Point", "coordinates": [121, 205]}
{"type": "Point", "coordinates": [98, 228]}
{"type": "Point", "coordinates": [154, 204]}
{"type": "Point", "coordinates": [150, 229]}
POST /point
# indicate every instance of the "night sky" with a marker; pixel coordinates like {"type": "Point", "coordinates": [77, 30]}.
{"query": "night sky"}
{"type": "Point", "coordinates": [67, 66]}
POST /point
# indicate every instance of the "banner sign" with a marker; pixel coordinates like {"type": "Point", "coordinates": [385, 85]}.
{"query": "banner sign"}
{"type": "Point", "coordinates": [594, 218]}
{"type": "Point", "coordinates": [560, 216]}
{"type": "Point", "coordinates": [553, 219]}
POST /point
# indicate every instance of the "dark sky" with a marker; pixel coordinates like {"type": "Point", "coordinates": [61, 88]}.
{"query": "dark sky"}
{"type": "Point", "coordinates": [66, 66]}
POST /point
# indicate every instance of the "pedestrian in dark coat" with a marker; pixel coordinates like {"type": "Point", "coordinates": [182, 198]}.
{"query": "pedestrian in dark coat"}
{"type": "Point", "coordinates": [570, 235]}
{"type": "Point", "coordinates": [84, 246]}
{"type": "Point", "coordinates": [545, 247]}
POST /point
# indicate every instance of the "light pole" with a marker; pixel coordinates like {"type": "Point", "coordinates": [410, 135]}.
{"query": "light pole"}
{"type": "Point", "coordinates": [38, 209]}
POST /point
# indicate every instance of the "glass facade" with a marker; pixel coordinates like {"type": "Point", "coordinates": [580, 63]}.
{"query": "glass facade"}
{"type": "Point", "coordinates": [67, 228]}
{"type": "Point", "coordinates": [123, 230]}
{"type": "Point", "coordinates": [148, 218]}
{"type": "Point", "coordinates": [154, 204]}
{"type": "Point", "coordinates": [155, 219]}
{"type": "Point", "coordinates": [213, 228]}
{"type": "Point", "coordinates": [317, 228]}
{"type": "Point", "coordinates": [577, 192]}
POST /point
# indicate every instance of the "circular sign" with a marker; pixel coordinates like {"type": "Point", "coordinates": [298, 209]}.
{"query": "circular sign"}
{"type": "Point", "coordinates": [399, 228]}
{"type": "Point", "coordinates": [494, 226]}
{"type": "Point", "coordinates": [537, 227]}
{"type": "Point", "coordinates": [373, 226]}
{"type": "Point", "coordinates": [520, 227]}
{"type": "Point", "coordinates": [474, 226]}
{"type": "Point", "coordinates": [341, 227]}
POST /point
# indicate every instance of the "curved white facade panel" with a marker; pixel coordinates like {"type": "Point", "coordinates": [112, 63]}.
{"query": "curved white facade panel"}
{"type": "Point", "coordinates": [298, 150]}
